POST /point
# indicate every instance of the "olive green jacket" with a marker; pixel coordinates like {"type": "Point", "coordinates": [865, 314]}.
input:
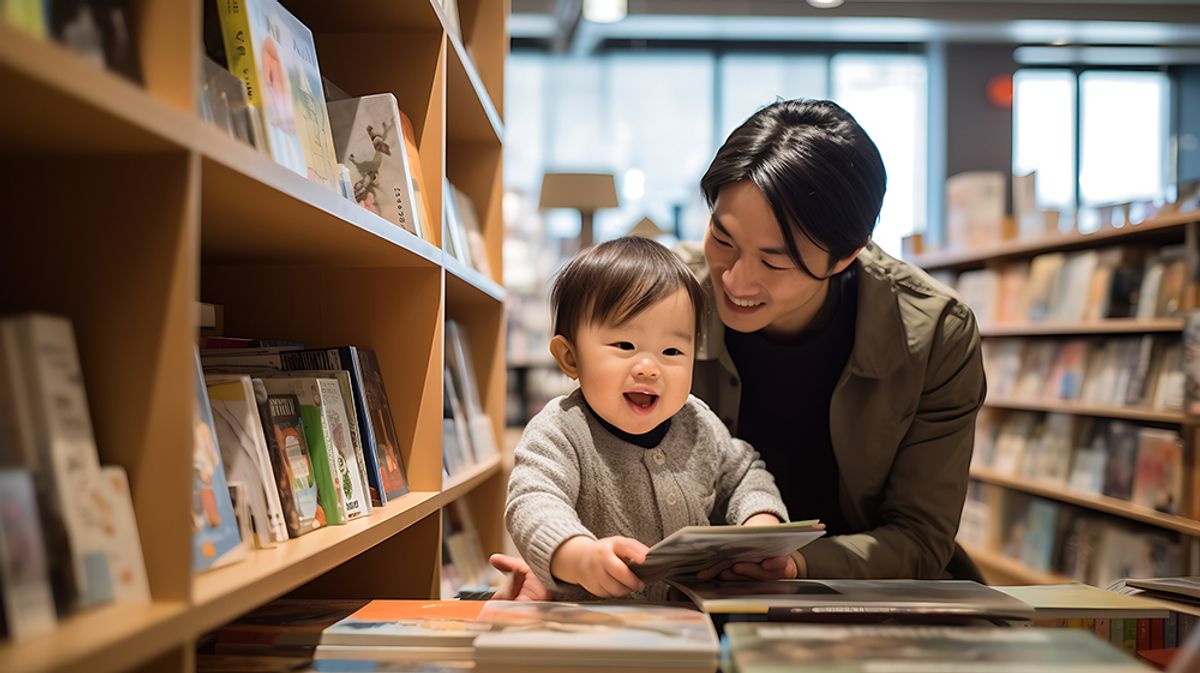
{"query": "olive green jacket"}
{"type": "Point", "coordinates": [902, 419]}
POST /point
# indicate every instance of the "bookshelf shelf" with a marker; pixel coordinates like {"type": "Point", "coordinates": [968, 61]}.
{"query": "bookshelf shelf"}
{"type": "Point", "coordinates": [1099, 503]}
{"type": "Point", "coordinates": [1083, 409]}
{"type": "Point", "coordinates": [222, 594]}
{"type": "Point", "coordinates": [1000, 569]}
{"type": "Point", "coordinates": [1166, 226]}
{"type": "Point", "coordinates": [470, 114]}
{"type": "Point", "coordinates": [368, 16]}
{"type": "Point", "coordinates": [464, 482]}
{"type": "Point", "coordinates": [1111, 326]}
{"type": "Point", "coordinates": [104, 640]}
{"type": "Point", "coordinates": [255, 209]}
{"type": "Point", "coordinates": [465, 285]}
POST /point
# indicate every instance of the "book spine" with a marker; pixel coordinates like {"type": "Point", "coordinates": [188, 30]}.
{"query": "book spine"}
{"type": "Point", "coordinates": [1143, 634]}
{"type": "Point", "coordinates": [1158, 636]}
{"type": "Point", "coordinates": [366, 429]}
{"type": "Point", "coordinates": [352, 495]}
{"type": "Point", "coordinates": [239, 48]}
{"type": "Point", "coordinates": [1171, 630]}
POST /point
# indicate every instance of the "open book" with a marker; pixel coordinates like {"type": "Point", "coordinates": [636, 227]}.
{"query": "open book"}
{"type": "Point", "coordinates": [694, 548]}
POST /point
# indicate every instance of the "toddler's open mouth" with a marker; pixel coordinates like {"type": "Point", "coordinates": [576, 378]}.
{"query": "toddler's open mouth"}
{"type": "Point", "coordinates": [641, 402]}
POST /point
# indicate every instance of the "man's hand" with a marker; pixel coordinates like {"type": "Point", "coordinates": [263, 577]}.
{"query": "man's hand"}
{"type": "Point", "coordinates": [520, 582]}
{"type": "Point", "coordinates": [600, 566]}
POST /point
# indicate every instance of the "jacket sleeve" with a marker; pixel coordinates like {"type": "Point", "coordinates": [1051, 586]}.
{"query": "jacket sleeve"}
{"type": "Point", "coordinates": [922, 500]}
{"type": "Point", "coordinates": [542, 490]}
{"type": "Point", "coordinates": [744, 486]}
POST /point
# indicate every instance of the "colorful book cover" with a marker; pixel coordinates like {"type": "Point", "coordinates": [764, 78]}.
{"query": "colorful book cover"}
{"type": "Point", "coordinates": [215, 537]}
{"type": "Point", "coordinates": [602, 635]}
{"type": "Point", "coordinates": [290, 460]}
{"type": "Point", "coordinates": [367, 139]}
{"type": "Point", "coordinates": [410, 623]}
{"type": "Point", "coordinates": [694, 548]}
{"type": "Point", "coordinates": [244, 452]}
{"type": "Point", "coordinates": [804, 648]}
{"type": "Point", "coordinates": [124, 544]}
{"type": "Point", "coordinates": [1158, 483]}
{"type": "Point", "coordinates": [274, 54]}
{"type": "Point", "coordinates": [329, 467]}
{"type": "Point", "coordinates": [393, 480]}
{"type": "Point", "coordinates": [26, 599]}
{"type": "Point", "coordinates": [420, 191]}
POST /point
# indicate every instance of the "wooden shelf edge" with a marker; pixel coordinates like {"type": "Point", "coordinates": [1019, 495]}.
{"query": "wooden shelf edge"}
{"type": "Point", "coordinates": [1005, 566]}
{"type": "Point", "coordinates": [953, 259]}
{"type": "Point", "coordinates": [1083, 409]}
{"type": "Point", "coordinates": [224, 593]}
{"type": "Point", "coordinates": [473, 281]}
{"type": "Point", "coordinates": [1112, 326]}
{"type": "Point", "coordinates": [463, 58]}
{"type": "Point", "coordinates": [458, 485]}
{"type": "Point", "coordinates": [105, 639]}
{"type": "Point", "coordinates": [220, 147]}
{"type": "Point", "coordinates": [1099, 503]}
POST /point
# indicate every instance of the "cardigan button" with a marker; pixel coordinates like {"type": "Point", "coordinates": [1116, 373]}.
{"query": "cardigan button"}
{"type": "Point", "coordinates": [659, 458]}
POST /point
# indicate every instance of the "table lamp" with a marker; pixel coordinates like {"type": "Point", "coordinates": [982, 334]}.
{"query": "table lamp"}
{"type": "Point", "coordinates": [585, 192]}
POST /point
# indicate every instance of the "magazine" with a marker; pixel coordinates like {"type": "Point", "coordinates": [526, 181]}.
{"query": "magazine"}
{"type": "Point", "coordinates": [694, 548]}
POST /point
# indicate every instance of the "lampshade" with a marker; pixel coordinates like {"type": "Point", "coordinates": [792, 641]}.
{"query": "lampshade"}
{"type": "Point", "coordinates": [646, 228]}
{"type": "Point", "coordinates": [586, 192]}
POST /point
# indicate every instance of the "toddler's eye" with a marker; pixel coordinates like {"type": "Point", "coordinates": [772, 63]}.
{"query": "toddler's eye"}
{"type": "Point", "coordinates": [672, 352]}
{"type": "Point", "coordinates": [623, 345]}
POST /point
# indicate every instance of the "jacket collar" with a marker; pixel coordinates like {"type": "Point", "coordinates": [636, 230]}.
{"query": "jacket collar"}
{"type": "Point", "coordinates": [880, 336]}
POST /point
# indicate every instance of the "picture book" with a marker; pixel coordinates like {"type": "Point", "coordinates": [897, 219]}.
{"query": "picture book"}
{"type": "Point", "coordinates": [46, 427]}
{"type": "Point", "coordinates": [367, 138]}
{"type": "Point", "coordinates": [26, 599]}
{"type": "Point", "coordinates": [329, 466]}
{"type": "Point", "coordinates": [462, 369]}
{"type": "Point", "coordinates": [694, 548]}
{"type": "Point", "coordinates": [857, 600]}
{"type": "Point", "coordinates": [290, 462]}
{"type": "Point", "coordinates": [216, 540]}
{"type": "Point", "coordinates": [388, 457]}
{"type": "Point", "coordinates": [102, 31]}
{"type": "Point", "coordinates": [599, 636]}
{"type": "Point", "coordinates": [274, 54]}
{"type": "Point", "coordinates": [284, 623]}
{"type": "Point", "coordinates": [226, 663]}
{"type": "Point", "coordinates": [420, 188]}
{"type": "Point", "coordinates": [1180, 587]}
{"type": "Point", "coordinates": [244, 452]}
{"type": "Point", "coordinates": [1083, 601]}
{"type": "Point", "coordinates": [1158, 483]}
{"type": "Point", "coordinates": [804, 648]}
{"type": "Point", "coordinates": [410, 623]}
{"type": "Point", "coordinates": [130, 583]}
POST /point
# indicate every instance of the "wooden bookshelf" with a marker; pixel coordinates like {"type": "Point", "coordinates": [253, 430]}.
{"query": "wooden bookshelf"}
{"type": "Point", "coordinates": [145, 209]}
{"type": "Point", "coordinates": [1111, 326]}
{"type": "Point", "coordinates": [1160, 228]}
{"type": "Point", "coordinates": [999, 569]}
{"type": "Point", "coordinates": [1084, 409]}
{"type": "Point", "coordinates": [1099, 503]}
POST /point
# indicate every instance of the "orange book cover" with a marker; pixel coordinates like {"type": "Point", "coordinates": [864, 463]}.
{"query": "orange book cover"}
{"type": "Point", "coordinates": [428, 227]}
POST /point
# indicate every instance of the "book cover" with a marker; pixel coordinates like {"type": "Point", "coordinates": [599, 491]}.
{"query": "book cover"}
{"type": "Point", "coordinates": [833, 600]}
{"type": "Point", "coordinates": [1083, 601]}
{"type": "Point", "coordinates": [124, 545]}
{"type": "Point", "coordinates": [456, 441]}
{"type": "Point", "coordinates": [1043, 271]}
{"type": "Point", "coordinates": [804, 648]}
{"type": "Point", "coordinates": [284, 623]}
{"type": "Point", "coordinates": [243, 450]}
{"type": "Point", "coordinates": [102, 31]}
{"type": "Point", "coordinates": [1185, 587]}
{"type": "Point", "coordinates": [1158, 483]}
{"type": "Point", "coordinates": [410, 623]}
{"type": "Point", "coordinates": [694, 548]}
{"type": "Point", "coordinates": [46, 426]}
{"type": "Point", "coordinates": [1121, 465]}
{"type": "Point", "coordinates": [462, 369]}
{"type": "Point", "coordinates": [595, 635]}
{"type": "Point", "coordinates": [290, 462]}
{"type": "Point", "coordinates": [368, 139]}
{"type": "Point", "coordinates": [390, 461]}
{"type": "Point", "coordinates": [420, 188]}
{"type": "Point", "coordinates": [216, 540]}
{"type": "Point", "coordinates": [329, 467]}
{"type": "Point", "coordinates": [26, 599]}
{"type": "Point", "coordinates": [274, 54]}
{"type": "Point", "coordinates": [1191, 363]}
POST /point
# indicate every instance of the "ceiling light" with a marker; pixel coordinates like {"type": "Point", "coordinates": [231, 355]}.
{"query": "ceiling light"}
{"type": "Point", "coordinates": [826, 4]}
{"type": "Point", "coordinates": [605, 11]}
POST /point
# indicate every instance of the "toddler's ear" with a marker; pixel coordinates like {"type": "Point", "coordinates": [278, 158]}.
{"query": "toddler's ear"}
{"type": "Point", "coordinates": [564, 355]}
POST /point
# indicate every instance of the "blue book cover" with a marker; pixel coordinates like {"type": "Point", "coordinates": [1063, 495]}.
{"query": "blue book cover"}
{"type": "Point", "coordinates": [216, 539]}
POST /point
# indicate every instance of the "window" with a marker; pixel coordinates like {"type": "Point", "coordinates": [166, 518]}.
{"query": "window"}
{"type": "Point", "coordinates": [1044, 134]}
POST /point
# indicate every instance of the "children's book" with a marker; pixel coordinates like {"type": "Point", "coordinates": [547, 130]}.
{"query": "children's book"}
{"type": "Point", "coordinates": [216, 540]}
{"type": "Point", "coordinates": [244, 452]}
{"type": "Point", "coordinates": [130, 583]}
{"type": "Point", "coordinates": [1083, 601]}
{"type": "Point", "coordinates": [368, 139]}
{"type": "Point", "coordinates": [274, 54]}
{"type": "Point", "coordinates": [856, 600]}
{"type": "Point", "coordinates": [409, 623]}
{"type": "Point", "coordinates": [596, 636]}
{"type": "Point", "coordinates": [420, 188]}
{"type": "Point", "coordinates": [26, 599]}
{"type": "Point", "coordinates": [758, 647]}
{"type": "Point", "coordinates": [290, 462]}
{"type": "Point", "coordinates": [694, 548]}
{"type": "Point", "coordinates": [329, 465]}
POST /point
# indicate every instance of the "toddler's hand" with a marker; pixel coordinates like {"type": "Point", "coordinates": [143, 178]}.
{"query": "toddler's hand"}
{"type": "Point", "coordinates": [600, 566]}
{"type": "Point", "coordinates": [762, 519]}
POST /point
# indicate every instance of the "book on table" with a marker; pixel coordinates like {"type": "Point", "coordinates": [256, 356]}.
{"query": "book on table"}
{"type": "Point", "coordinates": [759, 647]}
{"type": "Point", "coordinates": [857, 600]}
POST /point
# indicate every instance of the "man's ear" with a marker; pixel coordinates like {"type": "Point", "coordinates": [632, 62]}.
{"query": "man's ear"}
{"type": "Point", "coordinates": [843, 264]}
{"type": "Point", "coordinates": [564, 355]}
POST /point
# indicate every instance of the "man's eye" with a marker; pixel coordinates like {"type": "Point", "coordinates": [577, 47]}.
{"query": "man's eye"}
{"type": "Point", "coordinates": [776, 268]}
{"type": "Point", "coordinates": [623, 345]}
{"type": "Point", "coordinates": [724, 243]}
{"type": "Point", "coordinates": [672, 352]}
